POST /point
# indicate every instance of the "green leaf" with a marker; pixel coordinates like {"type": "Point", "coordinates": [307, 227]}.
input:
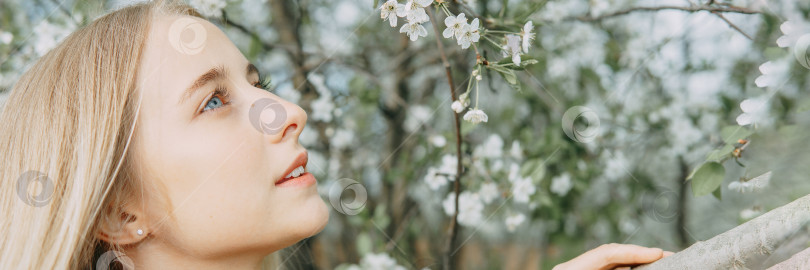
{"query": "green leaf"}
{"type": "Point", "coordinates": [803, 105]}
{"type": "Point", "coordinates": [731, 134]}
{"type": "Point", "coordinates": [507, 62]}
{"type": "Point", "coordinates": [718, 155]}
{"type": "Point", "coordinates": [380, 217]}
{"type": "Point", "coordinates": [717, 194]}
{"type": "Point", "coordinates": [707, 178]}
{"type": "Point", "coordinates": [692, 174]}
{"type": "Point", "coordinates": [363, 243]}
{"type": "Point", "coordinates": [510, 77]}
{"type": "Point", "coordinates": [533, 168]}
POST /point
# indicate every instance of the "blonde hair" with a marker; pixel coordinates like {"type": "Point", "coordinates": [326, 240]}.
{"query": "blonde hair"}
{"type": "Point", "coordinates": [67, 125]}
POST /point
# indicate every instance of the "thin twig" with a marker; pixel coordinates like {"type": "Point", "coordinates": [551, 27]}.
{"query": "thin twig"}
{"type": "Point", "coordinates": [266, 46]}
{"type": "Point", "coordinates": [732, 25]}
{"type": "Point", "coordinates": [447, 261]}
{"type": "Point", "coordinates": [709, 8]}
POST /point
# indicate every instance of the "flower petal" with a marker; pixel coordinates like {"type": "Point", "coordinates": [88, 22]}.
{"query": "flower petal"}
{"type": "Point", "coordinates": [447, 33]}
{"type": "Point", "coordinates": [744, 119]}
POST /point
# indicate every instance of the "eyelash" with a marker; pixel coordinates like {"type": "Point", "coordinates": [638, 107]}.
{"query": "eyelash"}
{"type": "Point", "coordinates": [263, 83]}
{"type": "Point", "coordinates": [224, 95]}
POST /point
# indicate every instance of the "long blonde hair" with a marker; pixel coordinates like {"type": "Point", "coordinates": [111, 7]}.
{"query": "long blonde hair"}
{"type": "Point", "coordinates": [64, 134]}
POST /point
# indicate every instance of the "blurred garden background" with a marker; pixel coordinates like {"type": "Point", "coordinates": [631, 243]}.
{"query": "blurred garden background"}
{"type": "Point", "coordinates": [590, 136]}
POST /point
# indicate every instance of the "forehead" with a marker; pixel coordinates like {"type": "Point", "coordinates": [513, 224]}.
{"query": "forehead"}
{"type": "Point", "coordinates": [180, 48]}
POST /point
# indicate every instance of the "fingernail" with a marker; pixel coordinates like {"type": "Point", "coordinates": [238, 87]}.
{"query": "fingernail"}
{"type": "Point", "coordinates": [667, 253]}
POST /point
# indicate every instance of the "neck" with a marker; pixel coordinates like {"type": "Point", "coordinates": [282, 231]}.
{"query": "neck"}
{"type": "Point", "coordinates": [151, 255]}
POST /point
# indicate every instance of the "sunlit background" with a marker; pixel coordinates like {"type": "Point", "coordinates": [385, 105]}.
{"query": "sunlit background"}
{"type": "Point", "coordinates": [671, 89]}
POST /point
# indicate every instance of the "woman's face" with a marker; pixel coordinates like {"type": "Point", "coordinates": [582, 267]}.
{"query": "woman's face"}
{"type": "Point", "coordinates": [216, 144]}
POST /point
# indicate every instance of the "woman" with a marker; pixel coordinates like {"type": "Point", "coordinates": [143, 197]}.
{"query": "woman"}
{"type": "Point", "coordinates": [147, 137]}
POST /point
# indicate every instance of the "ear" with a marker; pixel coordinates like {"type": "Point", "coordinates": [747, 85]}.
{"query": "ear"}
{"type": "Point", "coordinates": [123, 229]}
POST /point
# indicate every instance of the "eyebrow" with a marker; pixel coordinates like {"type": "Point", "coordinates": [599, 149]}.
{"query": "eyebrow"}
{"type": "Point", "coordinates": [216, 73]}
{"type": "Point", "coordinates": [212, 74]}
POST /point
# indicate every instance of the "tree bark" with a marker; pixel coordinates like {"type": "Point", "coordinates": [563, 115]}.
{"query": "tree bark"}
{"type": "Point", "coordinates": [798, 261]}
{"type": "Point", "coordinates": [743, 246]}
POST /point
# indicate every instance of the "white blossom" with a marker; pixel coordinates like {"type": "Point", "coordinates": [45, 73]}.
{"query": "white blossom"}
{"type": "Point", "coordinates": [754, 184]}
{"type": "Point", "coordinates": [209, 8]}
{"type": "Point", "coordinates": [378, 261]}
{"type": "Point", "coordinates": [616, 165]}
{"type": "Point", "coordinates": [522, 188]}
{"type": "Point", "coordinates": [793, 30]}
{"type": "Point", "coordinates": [560, 185]}
{"type": "Point", "coordinates": [6, 37]}
{"type": "Point", "coordinates": [415, 10]}
{"type": "Point", "coordinates": [414, 30]}
{"type": "Point", "coordinates": [438, 140]}
{"type": "Point", "coordinates": [516, 150]}
{"type": "Point", "coordinates": [773, 74]}
{"type": "Point", "coordinates": [514, 220]}
{"type": "Point", "coordinates": [475, 116]}
{"type": "Point", "coordinates": [342, 138]}
{"type": "Point", "coordinates": [322, 109]}
{"type": "Point", "coordinates": [416, 117]}
{"type": "Point", "coordinates": [48, 35]}
{"type": "Point", "coordinates": [457, 106]}
{"type": "Point", "coordinates": [469, 34]}
{"type": "Point", "coordinates": [470, 205]}
{"type": "Point", "coordinates": [514, 172]}
{"type": "Point", "coordinates": [488, 192]}
{"type": "Point", "coordinates": [755, 111]}
{"type": "Point", "coordinates": [390, 10]}
{"type": "Point", "coordinates": [491, 148]}
{"type": "Point", "coordinates": [750, 213]}
{"type": "Point", "coordinates": [528, 35]}
{"type": "Point", "coordinates": [512, 48]}
{"type": "Point", "coordinates": [455, 25]}
{"type": "Point", "coordinates": [434, 180]}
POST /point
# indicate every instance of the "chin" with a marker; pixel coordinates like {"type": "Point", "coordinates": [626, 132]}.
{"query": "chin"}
{"type": "Point", "coordinates": [312, 217]}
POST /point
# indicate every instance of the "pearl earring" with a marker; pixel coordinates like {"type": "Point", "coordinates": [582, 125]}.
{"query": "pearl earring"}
{"type": "Point", "coordinates": [140, 232]}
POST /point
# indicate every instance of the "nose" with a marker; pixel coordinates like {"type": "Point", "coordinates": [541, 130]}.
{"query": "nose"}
{"type": "Point", "coordinates": [277, 118]}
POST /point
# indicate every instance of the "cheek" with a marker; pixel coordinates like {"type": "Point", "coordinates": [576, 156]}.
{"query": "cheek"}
{"type": "Point", "coordinates": [215, 186]}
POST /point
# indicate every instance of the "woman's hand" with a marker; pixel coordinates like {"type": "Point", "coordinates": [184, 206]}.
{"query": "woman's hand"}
{"type": "Point", "coordinates": [610, 256]}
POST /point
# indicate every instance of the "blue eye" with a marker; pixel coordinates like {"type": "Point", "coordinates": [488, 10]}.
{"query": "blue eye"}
{"type": "Point", "coordinates": [218, 100]}
{"type": "Point", "coordinates": [213, 103]}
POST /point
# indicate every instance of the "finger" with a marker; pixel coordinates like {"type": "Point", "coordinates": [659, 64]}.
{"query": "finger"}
{"type": "Point", "coordinates": [667, 253]}
{"type": "Point", "coordinates": [622, 268]}
{"type": "Point", "coordinates": [630, 254]}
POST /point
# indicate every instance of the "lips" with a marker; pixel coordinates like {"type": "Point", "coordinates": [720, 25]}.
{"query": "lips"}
{"type": "Point", "coordinates": [300, 160]}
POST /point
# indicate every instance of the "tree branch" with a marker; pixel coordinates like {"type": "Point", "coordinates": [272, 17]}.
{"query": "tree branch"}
{"type": "Point", "coordinates": [449, 248]}
{"type": "Point", "coordinates": [798, 261]}
{"type": "Point", "coordinates": [734, 248]}
{"type": "Point", "coordinates": [709, 8]}
{"type": "Point", "coordinates": [732, 25]}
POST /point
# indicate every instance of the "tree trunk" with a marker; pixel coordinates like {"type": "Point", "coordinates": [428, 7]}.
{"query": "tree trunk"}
{"type": "Point", "coordinates": [746, 246]}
